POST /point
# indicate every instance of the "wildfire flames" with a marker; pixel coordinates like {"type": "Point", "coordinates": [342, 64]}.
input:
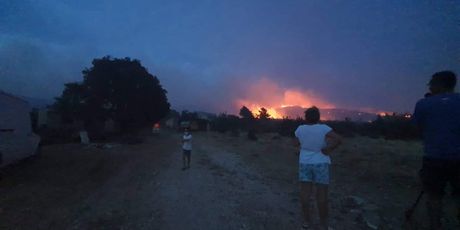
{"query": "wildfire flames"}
{"type": "Point", "coordinates": [267, 94]}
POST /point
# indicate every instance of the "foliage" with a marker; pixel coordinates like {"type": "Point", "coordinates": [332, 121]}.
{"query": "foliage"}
{"type": "Point", "coordinates": [188, 116]}
{"type": "Point", "coordinates": [248, 121]}
{"type": "Point", "coordinates": [245, 113]}
{"type": "Point", "coordinates": [70, 103]}
{"type": "Point", "coordinates": [287, 127]}
{"type": "Point", "coordinates": [388, 127]}
{"type": "Point", "coordinates": [263, 114]}
{"type": "Point", "coordinates": [224, 123]}
{"type": "Point", "coordinates": [118, 89]}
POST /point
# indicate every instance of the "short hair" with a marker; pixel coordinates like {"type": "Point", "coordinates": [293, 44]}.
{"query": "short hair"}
{"type": "Point", "coordinates": [445, 79]}
{"type": "Point", "coordinates": [312, 115]}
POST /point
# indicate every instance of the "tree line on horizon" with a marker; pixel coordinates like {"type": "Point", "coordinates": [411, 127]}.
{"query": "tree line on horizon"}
{"type": "Point", "coordinates": [119, 89]}
{"type": "Point", "coordinates": [390, 126]}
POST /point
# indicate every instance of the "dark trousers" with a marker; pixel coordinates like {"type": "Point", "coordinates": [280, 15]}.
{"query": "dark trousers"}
{"type": "Point", "coordinates": [435, 175]}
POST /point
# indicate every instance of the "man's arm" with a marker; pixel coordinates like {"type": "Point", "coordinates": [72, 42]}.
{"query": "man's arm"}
{"type": "Point", "coordinates": [418, 117]}
{"type": "Point", "coordinates": [333, 140]}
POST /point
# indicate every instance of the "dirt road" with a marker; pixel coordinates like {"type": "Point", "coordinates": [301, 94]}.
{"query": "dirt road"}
{"type": "Point", "coordinates": [220, 191]}
{"type": "Point", "coordinates": [234, 183]}
{"type": "Point", "coordinates": [141, 187]}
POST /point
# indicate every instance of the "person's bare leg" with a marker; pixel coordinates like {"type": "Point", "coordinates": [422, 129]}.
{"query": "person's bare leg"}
{"type": "Point", "coordinates": [322, 203]}
{"type": "Point", "coordinates": [305, 194]}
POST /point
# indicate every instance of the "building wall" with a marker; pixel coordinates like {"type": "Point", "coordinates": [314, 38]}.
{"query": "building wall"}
{"type": "Point", "coordinates": [16, 138]}
{"type": "Point", "coordinates": [15, 147]}
{"type": "Point", "coordinates": [14, 114]}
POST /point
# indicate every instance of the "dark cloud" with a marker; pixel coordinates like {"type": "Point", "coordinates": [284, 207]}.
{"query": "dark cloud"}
{"type": "Point", "coordinates": [209, 54]}
{"type": "Point", "coordinates": [34, 69]}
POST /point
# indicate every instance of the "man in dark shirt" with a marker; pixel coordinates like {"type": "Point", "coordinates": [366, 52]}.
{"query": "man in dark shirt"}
{"type": "Point", "coordinates": [438, 117]}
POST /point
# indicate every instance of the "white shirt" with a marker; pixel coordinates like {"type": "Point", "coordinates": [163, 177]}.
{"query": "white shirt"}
{"type": "Point", "coordinates": [312, 140]}
{"type": "Point", "coordinates": [187, 142]}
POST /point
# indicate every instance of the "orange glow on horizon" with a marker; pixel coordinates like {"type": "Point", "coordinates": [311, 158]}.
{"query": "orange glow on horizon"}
{"type": "Point", "coordinates": [255, 108]}
{"type": "Point", "coordinates": [267, 94]}
{"type": "Point", "coordinates": [287, 102]}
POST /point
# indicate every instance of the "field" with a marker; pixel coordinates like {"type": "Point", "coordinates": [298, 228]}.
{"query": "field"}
{"type": "Point", "coordinates": [234, 183]}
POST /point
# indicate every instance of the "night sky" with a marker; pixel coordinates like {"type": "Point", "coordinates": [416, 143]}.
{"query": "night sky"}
{"type": "Point", "coordinates": [216, 55]}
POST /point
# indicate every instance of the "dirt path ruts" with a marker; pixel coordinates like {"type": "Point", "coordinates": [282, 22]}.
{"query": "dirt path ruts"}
{"type": "Point", "coordinates": [219, 192]}
{"type": "Point", "coordinates": [142, 187]}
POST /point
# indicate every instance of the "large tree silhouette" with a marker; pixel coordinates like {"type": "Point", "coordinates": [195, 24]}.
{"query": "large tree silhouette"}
{"type": "Point", "coordinates": [245, 113]}
{"type": "Point", "coordinates": [263, 114]}
{"type": "Point", "coordinates": [249, 122]}
{"type": "Point", "coordinates": [118, 89]}
{"type": "Point", "coordinates": [70, 103]}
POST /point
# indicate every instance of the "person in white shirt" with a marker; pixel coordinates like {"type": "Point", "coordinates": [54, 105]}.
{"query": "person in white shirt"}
{"type": "Point", "coordinates": [316, 142]}
{"type": "Point", "coordinates": [186, 148]}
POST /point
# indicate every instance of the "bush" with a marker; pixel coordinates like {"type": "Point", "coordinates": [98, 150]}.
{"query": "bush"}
{"type": "Point", "coordinates": [388, 127]}
{"type": "Point", "coordinates": [224, 123]}
{"type": "Point", "coordinates": [287, 127]}
{"type": "Point", "coordinates": [58, 136]}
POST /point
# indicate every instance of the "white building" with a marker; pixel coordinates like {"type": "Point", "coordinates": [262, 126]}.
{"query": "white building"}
{"type": "Point", "coordinates": [17, 141]}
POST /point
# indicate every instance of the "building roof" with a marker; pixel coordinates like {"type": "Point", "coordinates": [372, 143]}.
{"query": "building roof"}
{"type": "Point", "coordinates": [5, 94]}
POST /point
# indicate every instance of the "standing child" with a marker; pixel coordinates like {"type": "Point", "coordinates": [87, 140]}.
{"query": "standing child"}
{"type": "Point", "coordinates": [186, 148]}
{"type": "Point", "coordinates": [316, 141]}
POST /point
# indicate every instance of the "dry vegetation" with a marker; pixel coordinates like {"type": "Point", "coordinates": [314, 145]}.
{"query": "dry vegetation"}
{"type": "Point", "coordinates": [384, 173]}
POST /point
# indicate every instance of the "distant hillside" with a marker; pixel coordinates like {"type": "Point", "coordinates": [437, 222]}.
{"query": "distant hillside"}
{"type": "Point", "coordinates": [330, 114]}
